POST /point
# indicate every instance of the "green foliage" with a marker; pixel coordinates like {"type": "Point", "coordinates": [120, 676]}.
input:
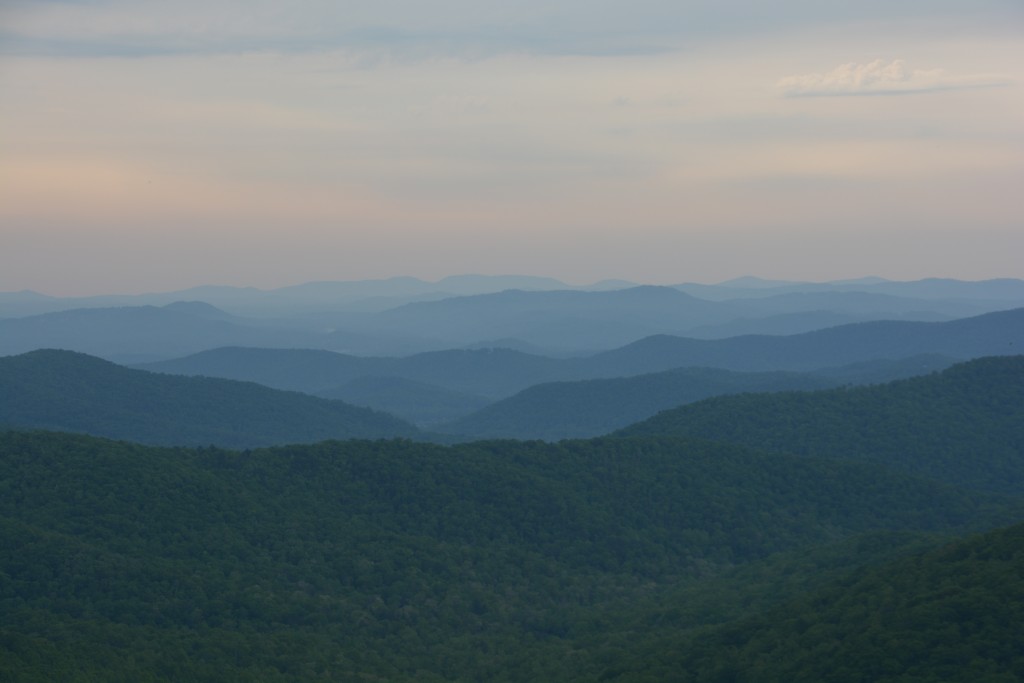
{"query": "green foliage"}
{"type": "Point", "coordinates": [964, 425]}
{"type": "Point", "coordinates": [74, 392]}
{"type": "Point", "coordinates": [397, 560]}
{"type": "Point", "coordinates": [951, 615]}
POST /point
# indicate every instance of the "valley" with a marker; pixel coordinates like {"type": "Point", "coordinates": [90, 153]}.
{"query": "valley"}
{"type": "Point", "coordinates": [673, 508]}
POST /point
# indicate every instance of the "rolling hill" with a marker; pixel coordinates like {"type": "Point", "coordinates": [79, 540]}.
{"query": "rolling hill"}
{"type": "Point", "coordinates": [499, 373]}
{"type": "Point", "coordinates": [964, 425]}
{"type": "Point", "coordinates": [955, 614]}
{"type": "Point", "coordinates": [395, 560]}
{"type": "Point", "coordinates": [407, 316]}
{"type": "Point", "coordinates": [1000, 333]}
{"type": "Point", "coordinates": [69, 391]}
{"type": "Point", "coordinates": [491, 373]}
{"type": "Point", "coordinates": [563, 319]}
{"type": "Point", "coordinates": [563, 410]}
{"type": "Point", "coordinates": [307, 370]}
{"type": "Point", "coordinates": [140, 333]}
{"type": "Point", "coordinates": [425, 405]}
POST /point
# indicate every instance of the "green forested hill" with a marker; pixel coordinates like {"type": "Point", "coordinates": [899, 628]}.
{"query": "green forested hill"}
{"type": "Point", "coordinates": [394, 560]}
{"type": "Point", "coordinates": [561, 410]}
{"type": "Point", "coordinates": [954, 615]}
{"type": "Point", "coordinates": [71, 391]}
{"type": "Point", "coordinates": [964, 425]}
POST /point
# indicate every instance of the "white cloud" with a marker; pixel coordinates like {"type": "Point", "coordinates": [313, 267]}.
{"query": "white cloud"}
{"type": "Point", "coordinates": [881, 78]}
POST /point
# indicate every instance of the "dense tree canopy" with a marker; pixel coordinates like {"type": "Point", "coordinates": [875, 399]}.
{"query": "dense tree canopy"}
{"type": "Point", "coordinates": [964, 425]}
{"type": "Point", "coordinates": [954, 615]}
{"type": "Point", "coordinates": [394, 559]}
{"type": "Point", "coordinates": [78, 393]}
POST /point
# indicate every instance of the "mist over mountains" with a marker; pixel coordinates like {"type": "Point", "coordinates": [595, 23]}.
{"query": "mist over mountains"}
{"type": "Point", "coordinates": [437, 362]}
{"type": "Point", "coordinates": [856, 353]}
{"type": "Point", "coordinates": [403, 316]}
{"type": "Point", "coordinates": [510, 479]}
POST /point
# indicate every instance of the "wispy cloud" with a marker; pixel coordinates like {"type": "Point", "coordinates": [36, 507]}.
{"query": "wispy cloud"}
{"type": "Point", "coordinates": [881, 78]}
{"type": "Point", "coordinates": [460, 28]}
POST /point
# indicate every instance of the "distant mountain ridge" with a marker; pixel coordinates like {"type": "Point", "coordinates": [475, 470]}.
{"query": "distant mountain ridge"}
{"type": "Point", "coordinates": [426, 405]}
{"type": "Point", "coordinates": [587, 408]}
{"type": "Point", "coordinates": [404, 316]}
{"type": "Point", "coordinates": [283, 300]}
{"type": "Point", "coordinates": [560, 318]}
{"type": "Point", "coordinates": [999, 333]}
{"type": "Point", "coordinates": [1002, 289]}
{"type": "Point", "coordinates": [250, 300]}
{"type": "Point", "coordinates": [567, 410]}
{"type": "Point", "coordinates": [140, 333]}
{"type": "Point", "coordinates": [499, 373]}
{"type": "Point", "coordinates": [487, 372]}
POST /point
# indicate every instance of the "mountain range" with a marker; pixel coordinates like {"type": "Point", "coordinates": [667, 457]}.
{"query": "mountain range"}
{"type": "Point", "coordinates": [498, 373]}
{"type": "Point", "coordinates": [404, 316]}
{"type": "Point", "coordinates": [511, 479]}
{"type": "Point", "coordinates": [561, 410]}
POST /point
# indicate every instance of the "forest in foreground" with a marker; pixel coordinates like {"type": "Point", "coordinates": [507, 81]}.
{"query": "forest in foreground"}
{"type": "Point", "coordinates": [491, 561]}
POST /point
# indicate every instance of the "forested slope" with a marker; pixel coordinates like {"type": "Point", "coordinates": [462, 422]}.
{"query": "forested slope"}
{"type": "Point", "coordinates": [394, 560]}
{"type": "Point", "coordinates": [70, 391]}
{"type": "Point", "coordinates": [964, 425]}
{"type": "Point", "coordinates": [953, 615]}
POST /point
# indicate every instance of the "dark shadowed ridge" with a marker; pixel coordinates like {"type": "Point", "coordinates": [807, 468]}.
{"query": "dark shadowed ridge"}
{"type": "Point", "coordinates": [70, 391]}
{"type": "Point", "coordinates": [951, 614]}
{"type": "Point", "coordinates": [964, 425]}
{"type": "Point", "coordinates": [398, 561]}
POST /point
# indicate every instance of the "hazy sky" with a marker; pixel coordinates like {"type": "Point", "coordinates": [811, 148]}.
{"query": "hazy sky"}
{"type": "Point", "coordinates": [157, 144]}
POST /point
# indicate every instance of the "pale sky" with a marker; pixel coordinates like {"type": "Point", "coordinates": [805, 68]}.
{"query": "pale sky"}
{"type": "Point", "coordinates": [149, 145]}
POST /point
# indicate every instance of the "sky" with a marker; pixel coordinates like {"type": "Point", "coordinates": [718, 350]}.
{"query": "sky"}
{"type": "Point", "coordinates": [153, 145]}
